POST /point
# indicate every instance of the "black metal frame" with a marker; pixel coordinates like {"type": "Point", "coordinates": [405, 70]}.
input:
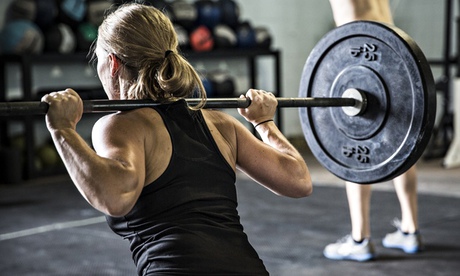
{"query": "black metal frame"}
{"type": "Point", "coordinates": [27, 61]}
{"type": "Point", "coordinates": [445, 128]}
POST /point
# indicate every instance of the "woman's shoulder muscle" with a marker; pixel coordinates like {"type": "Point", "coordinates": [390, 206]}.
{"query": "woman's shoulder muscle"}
{"type": "Point", "coordinates": [143, 129]}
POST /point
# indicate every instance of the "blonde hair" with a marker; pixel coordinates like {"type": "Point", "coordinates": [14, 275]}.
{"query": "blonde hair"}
{"type": "Point", "coordinates": [144, 40]}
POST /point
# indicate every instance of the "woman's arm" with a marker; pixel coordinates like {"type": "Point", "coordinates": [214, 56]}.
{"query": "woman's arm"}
{"type": "Point", "coordinates": [110, 180]}
{"type": "Point", "coordinates": [275, 163]}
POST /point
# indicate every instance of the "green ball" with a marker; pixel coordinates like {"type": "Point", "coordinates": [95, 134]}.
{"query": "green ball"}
{"type": "Point", "coordinates": [48, 155]}
{"type": "Point", "coordinates": [86, 35]}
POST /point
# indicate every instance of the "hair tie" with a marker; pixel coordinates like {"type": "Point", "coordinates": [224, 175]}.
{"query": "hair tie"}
{"type": "Point", "coordinates": [167, 53]}
{"type": "Point", "coordinates": [270, 120]}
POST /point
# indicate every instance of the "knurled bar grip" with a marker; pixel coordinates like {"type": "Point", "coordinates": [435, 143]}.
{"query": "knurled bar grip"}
{"type": "Point", "coordinates": [93, 106]}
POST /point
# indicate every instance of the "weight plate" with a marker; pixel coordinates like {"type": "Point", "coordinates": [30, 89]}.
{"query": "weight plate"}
{"type": "Point", "coordinates": [390, 69]}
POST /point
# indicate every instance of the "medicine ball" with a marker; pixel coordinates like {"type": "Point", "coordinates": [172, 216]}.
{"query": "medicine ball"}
{"type": "Point", "coordinates": [72, 12]}
{"type": "Point", "coordinates": [201, 39]}
{"type": "Point", "coordinates": [246, 35]}
{"type": "Point", "coordinates": [60, 38]}
{"type": "Point", "coordinates": [224, 37]}
{"type": "Point", "coordinates": [21, 37]}
{"type": "Point", "coordinates": [223, 84]}
{"type": "Point", "coordinates": [47, 12]}
{"type": "Point", "coordinates": [230, 13]}
{"type": "Point", "coordinates": [208, 13]}
{"type": "Point", "coordinates": [263, 37]}
{"type": "Point", "coordinates": [48, 155]}
{"type": "Point", "coordinates": [184, 14]}
{"type": "Point", "coordinates": [182, 36]}
{"type": "Point", "coordinates": [86, 35]}
{"type": "Point", "coordinates": [21, 9]}
{"type": "Point", "coordinates": [96, 10]}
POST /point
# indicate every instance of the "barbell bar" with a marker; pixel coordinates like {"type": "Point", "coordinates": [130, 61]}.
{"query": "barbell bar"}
{"type": "Point", "coordinates": [95, 106]}
{"type": "Point", "coordinates": [379, 77]}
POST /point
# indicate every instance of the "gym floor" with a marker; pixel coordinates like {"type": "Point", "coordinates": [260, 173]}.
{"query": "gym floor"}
{"type": "Point", "coordinates": [48, 229]}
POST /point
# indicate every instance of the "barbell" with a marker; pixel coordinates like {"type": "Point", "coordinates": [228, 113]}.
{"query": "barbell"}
{"type": "Point", "coordinates": [378, 76]}
{"type": "Point", "coordinates": [94, 106]}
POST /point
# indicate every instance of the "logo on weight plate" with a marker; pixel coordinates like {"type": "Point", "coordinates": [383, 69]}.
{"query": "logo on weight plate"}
{"type": "Point", "coordinates": [360, 153]}
{"type": "Point", "coordinates": [368, 51]}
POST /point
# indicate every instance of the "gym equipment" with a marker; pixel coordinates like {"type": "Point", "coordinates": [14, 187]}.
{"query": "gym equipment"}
{"type": "Point", "coordinates": [224, 37]}
{"type": "Point", "coordinates": [60, 38]}
{"type": "Point", "coordinates": [380, 84]}
{"type": "Point", "coordinates": [21, 10]}
{"type": "Point", "coordinates": [47, 12]}
{"type": "Point", "coordinates": [96, 10]}
{"type": "Point", "coordinates": [21, 37]}
{"type": "Point", "coordinates": [230, 12]}
{"type": "Point", "coordinates": [182, 36]}
{"type": "Point", "coordinates": [246, 35]}
{"type": "Point", "coordinates": [386, 65]}
{"type": "Point", "coordinates": [104, 106]}
{"type": "Point", "coordinates": [223, 84]}
{"type": "Point", "coordinates": [86, 34]}
{"type": "Point", "coordinates": [208, 13]}
{"type": "Point", "coordinates": [48, 155]}
{"type": "Point", "coordinates": [72, 12]}
{"type": "Point", "coordinates": [263, 37]}
{"type": "Point", "coordinates": [184, 13]}
{"type": "Point", "coordinates": [201, 39]}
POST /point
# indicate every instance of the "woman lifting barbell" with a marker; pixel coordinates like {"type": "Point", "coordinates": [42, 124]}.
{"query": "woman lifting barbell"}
{"type": "Point", "coordinates": [165, 176]}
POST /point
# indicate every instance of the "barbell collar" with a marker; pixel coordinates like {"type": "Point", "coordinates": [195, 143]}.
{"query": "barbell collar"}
{"type": "Point", "coordinates": [95, 106]}
{"type": "Point", "coordinates": [361, 102]}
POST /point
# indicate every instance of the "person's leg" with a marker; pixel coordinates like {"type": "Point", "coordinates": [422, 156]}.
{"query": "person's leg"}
{"type": "Point", "coordinates": [345, 11]}
{"type": "Point", "coordinates": [359, 197]}
{"type": "Point", "coordinates": [406, 189]}
{"type": "Point", "coordinates": [407, 237]}
{"type": "Point", "coordinates": [357, 246]}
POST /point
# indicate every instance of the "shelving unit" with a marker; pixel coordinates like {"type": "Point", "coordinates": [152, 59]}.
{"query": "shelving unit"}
{"type": "Point", "coordinates": [27, 62]}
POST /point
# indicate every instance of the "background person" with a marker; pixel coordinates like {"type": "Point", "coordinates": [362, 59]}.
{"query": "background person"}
{"type": "Point", "coordinates": [358, 245]}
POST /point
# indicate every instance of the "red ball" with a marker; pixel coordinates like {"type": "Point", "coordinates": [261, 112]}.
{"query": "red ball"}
{"type": "Point", "coordinates": [201, 39]}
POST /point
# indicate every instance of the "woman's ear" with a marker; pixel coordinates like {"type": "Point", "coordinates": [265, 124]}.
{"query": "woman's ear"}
{"type": "Point", "coordinates": [114, 65]}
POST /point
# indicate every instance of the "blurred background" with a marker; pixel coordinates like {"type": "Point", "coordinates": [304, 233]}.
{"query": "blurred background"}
{"type": "Point", "coordinates": [234, 44]}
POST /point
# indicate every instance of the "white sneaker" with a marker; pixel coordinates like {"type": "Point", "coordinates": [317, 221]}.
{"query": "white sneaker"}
{"type": "Point", "coordinates": [409, 243]}
{"type": "Point", "coordinates": [347, 249]}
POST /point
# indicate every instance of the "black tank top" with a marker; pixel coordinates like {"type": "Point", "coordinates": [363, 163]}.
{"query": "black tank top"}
{"type": "Point", "coordinates": [186, 222]}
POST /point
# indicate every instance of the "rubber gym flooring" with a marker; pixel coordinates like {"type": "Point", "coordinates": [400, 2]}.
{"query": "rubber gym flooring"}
{"type": "Point", "coordinates": [48, 229]}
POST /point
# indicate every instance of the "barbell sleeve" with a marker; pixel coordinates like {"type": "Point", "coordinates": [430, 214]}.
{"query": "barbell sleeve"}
{"type": "Point", "coordinates": [95, 106]}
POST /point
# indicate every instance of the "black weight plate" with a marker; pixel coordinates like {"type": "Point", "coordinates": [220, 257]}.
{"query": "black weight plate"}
{"type": "Point", "coordinates": [392, 133]}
